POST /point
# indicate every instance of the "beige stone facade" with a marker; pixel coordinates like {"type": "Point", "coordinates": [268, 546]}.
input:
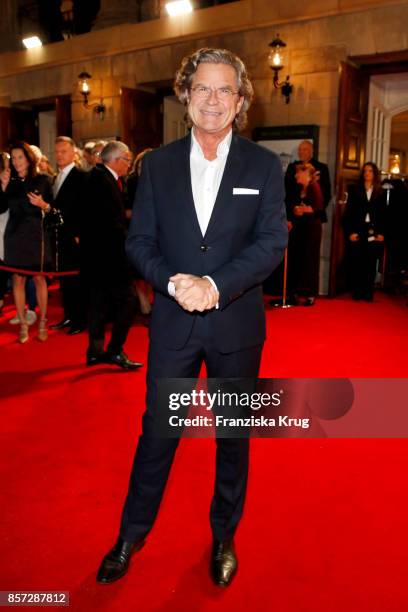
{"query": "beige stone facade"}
{"type": "Point", "coordinates": [319, 34]}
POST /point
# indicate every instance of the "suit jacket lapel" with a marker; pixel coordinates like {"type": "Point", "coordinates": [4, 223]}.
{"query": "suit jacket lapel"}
{"type": "Point", "coordinates": [185, 183]}
{"type": "Point", "coordinates": [232, 170]}
{"type": "Point", "coordinates": [65, 184]}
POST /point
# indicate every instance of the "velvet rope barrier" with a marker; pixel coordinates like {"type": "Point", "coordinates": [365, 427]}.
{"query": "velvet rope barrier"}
{"type": "Point", "coordinates": [50, 274]}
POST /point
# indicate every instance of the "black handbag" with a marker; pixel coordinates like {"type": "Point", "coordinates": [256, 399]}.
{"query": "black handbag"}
{"type": "Point", "coordinates": [53, 219]}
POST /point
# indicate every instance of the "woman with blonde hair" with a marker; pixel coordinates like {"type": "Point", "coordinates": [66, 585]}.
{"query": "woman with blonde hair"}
{"type": "Point", "coordinates": [44, 167]}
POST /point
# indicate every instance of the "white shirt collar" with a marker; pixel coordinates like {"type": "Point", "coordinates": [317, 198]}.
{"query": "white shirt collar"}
{"type": "Point", "coordinates": [222, 149]}
{"type": "Point", "coordinates": [116, 176]}
{"type": "Point", "coordinates": [67, 169]}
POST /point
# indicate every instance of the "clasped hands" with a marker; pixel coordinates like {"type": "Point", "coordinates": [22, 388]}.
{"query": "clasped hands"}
{"type": "Point", "coordinates": [356, 238]}
{"type": "Point", "coordinates": [194, 292]}
{"type": "Point", "coordinates": [301, 209]}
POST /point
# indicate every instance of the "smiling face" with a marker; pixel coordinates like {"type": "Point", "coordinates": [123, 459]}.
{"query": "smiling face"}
{"type": "Point", "coordinates": [210, 114]}
{"type": "Point", "coordinates": [19, 161]}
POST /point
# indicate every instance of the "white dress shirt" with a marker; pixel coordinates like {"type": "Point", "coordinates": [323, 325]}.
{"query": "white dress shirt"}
{"type": "Point", "coordinates": [61, 176]}
{"type": "Point", "coordinates": [369, 193]}
{"type": "Point", "coordinates": [206, 179]}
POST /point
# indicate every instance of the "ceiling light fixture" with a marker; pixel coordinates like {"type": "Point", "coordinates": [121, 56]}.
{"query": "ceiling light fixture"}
{"type": "Point", "coordinates": [179, 7]}
{"type": "Point", "coordinates": [32, 42]}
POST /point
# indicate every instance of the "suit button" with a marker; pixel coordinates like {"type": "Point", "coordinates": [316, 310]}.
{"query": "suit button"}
{"type": "Point", "coordinates": [204, 248]}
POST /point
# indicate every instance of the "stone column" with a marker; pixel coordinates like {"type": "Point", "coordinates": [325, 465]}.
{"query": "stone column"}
{"type": "Point", "coordinates": [115, 12]}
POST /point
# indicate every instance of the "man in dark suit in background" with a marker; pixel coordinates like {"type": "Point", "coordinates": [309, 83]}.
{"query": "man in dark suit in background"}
{"type": "Point", "coordinates": [104, 263]}
{"type": "Point", "coordinates": [69, 198]}
{"type": "Point", "coordinates": [208, 226]}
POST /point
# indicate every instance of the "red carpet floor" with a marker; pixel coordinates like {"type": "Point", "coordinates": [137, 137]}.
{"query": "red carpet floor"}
{"type": "Point", "coordinates": [325, 525]}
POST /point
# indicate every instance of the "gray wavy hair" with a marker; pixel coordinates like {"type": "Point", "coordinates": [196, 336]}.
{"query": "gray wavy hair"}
{"type": "Point", "coordinates": [189, 65]}
{"type": "Point", "coordinates": [113, 150]}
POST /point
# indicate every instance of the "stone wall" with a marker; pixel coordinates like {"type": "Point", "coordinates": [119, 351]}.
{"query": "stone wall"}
{"type": "Point", "coordinates": [316, 45]}
{"type": "Point", "coordinates": [318, 36]}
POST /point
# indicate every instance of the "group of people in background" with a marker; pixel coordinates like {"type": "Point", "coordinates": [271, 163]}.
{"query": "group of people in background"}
{"type": "Point", "coordinates": [73, 221]}
{"type": "Point", "coordinates": [369, 223]}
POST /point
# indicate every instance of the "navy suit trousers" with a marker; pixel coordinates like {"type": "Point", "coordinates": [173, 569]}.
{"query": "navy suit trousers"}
{"type": "Point", "coordinates": [154, 455]}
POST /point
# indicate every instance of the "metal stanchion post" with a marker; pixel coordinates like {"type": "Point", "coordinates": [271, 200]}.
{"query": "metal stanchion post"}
{"type": "Point", "coordinates": [285, 282]}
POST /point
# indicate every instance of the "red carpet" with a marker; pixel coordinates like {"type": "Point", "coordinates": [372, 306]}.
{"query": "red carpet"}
{"type": "Point", "coordinates": [325, 522]}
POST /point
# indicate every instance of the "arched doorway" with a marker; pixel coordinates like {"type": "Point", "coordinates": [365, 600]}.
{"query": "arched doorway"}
{"type": "Point", "coordinates": [357, 141]}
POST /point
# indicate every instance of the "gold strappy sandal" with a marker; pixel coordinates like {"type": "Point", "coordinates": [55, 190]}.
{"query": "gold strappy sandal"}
{"type": "Point", "coordinates": [42, 330]}
{"type": "Point", "coordinates": [23, 333]}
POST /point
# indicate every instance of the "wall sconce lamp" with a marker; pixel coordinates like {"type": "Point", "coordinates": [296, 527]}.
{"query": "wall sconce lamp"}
{"type": "Point", "coordinates": [275, 60]}
{"type": "Point", "coordinates": [395, 164]}
{"type": "Point", "coordinates": [85, 91]}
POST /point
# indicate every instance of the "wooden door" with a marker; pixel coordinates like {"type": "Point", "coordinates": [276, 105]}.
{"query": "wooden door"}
{"type": "Point", "coordinates": [5, 127]}
{"type": "Point", "coordinates": [351, 140]}
{"type": "Point", "coordinates": [24, 125]}
{"type": "Point", "coordinates": [142, 119]}
{"type": "Point", "coordinates": [63, 114]}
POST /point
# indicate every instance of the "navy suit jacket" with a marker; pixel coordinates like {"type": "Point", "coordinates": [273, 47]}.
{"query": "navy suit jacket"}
{"type": "Point", "coordinates": [245, 240]}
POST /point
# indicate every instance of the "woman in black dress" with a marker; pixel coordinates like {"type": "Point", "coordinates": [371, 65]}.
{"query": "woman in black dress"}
{"type": "Point", "coordinates": [27, 247]}
{"type": "Point", "coordinates": [363, 221]}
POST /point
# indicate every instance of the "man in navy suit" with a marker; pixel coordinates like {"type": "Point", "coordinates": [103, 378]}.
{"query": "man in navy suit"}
{"type": "Point", "coordinates": [208, 227]}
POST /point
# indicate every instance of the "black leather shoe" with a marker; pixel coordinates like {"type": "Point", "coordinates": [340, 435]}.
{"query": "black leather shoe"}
{"type": "Point", "coordinates": [116, 563]}
{"type": "Point", "coordinates": [61, 324]}
{"type": "Point", "coordinates": [224, 563]}
{"type": "Point", "coordinates": [122, 361]}
{"type": "Point", "coordinates": [75, 330]}
{"type": "Point", "coordinates": [95, 359]}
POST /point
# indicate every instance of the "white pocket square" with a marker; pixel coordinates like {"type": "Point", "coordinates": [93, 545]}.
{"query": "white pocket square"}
{"type": "Point", "coordinates": [244, 191]}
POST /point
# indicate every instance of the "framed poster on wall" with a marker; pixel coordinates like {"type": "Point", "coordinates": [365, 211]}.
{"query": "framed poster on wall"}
{"type": "Point", "coordinates": [284, 140]}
